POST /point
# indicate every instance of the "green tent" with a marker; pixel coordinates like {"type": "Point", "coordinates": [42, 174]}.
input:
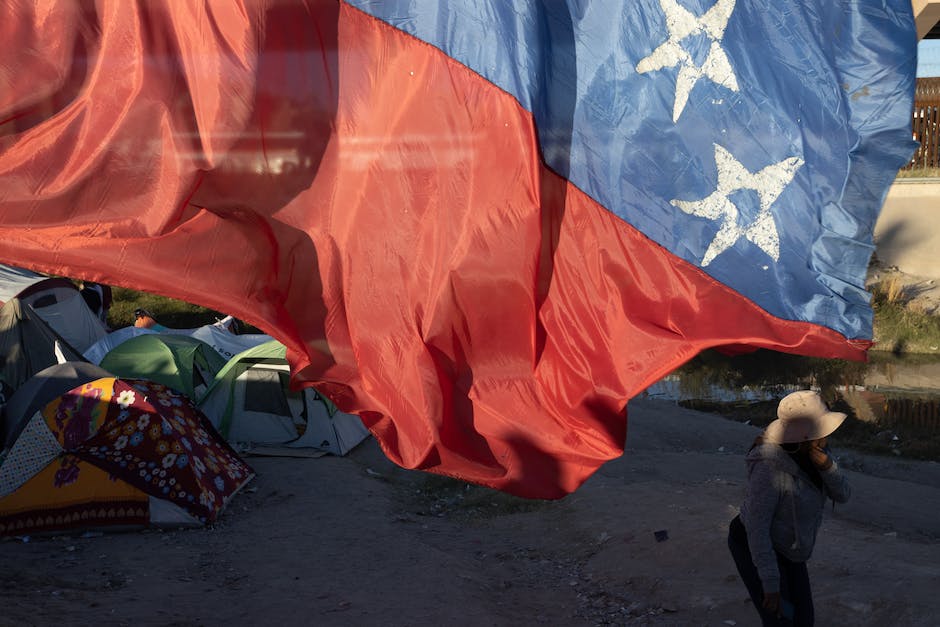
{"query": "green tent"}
{"type": "Point", "coordinates": [180, 362]}
{"type": "Point", "coordinates": [251, 402]}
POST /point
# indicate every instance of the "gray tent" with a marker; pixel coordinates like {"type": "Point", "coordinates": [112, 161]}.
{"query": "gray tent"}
{"type": "Point", "coordinates": [25, 284]}
{"type": "Point", "coordinates": [27, 345]}
{"type": "Point", "coordinates": [57, 301]}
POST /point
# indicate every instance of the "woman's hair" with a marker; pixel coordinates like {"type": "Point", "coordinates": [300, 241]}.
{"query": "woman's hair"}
{"type": "Point", "coordinates": [800, 455]}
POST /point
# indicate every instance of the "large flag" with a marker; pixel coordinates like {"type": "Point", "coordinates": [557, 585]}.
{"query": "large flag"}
{"type": "Point", "coordinates": [481, 225]}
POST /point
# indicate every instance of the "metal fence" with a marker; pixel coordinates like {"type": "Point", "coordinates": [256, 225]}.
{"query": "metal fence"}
{"type": "Point", "coordinates": [926, 124]}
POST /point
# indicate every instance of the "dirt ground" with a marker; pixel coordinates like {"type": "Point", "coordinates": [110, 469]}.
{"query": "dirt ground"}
{"type": "Point", "coordinates": [358, 541]}
{"type": "Point", "coordinates": [921, 292]}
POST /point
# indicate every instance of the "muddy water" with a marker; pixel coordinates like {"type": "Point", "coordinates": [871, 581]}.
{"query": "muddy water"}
{"type": "Point", "coordinates": [888, 389]}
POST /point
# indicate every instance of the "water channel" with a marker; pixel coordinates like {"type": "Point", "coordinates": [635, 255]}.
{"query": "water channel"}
{"type": "Point", "coordinates": [890, 391]}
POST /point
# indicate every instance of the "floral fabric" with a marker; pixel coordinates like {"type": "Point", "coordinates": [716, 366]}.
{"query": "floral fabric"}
{"type": "Point", "coordinates": [152, 437]}
{"type": "Point", "coordinates": [71, 494]}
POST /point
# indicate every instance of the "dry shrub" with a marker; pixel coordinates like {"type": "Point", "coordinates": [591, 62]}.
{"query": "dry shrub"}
{"type": "Point", "coordinates": [889, 290]}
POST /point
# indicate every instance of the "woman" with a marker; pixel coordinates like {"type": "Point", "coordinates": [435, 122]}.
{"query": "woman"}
{"type": "Point", "coordinates": [790, 474]}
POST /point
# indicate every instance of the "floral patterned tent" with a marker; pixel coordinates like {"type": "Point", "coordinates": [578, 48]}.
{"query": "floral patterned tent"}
{"type": "Point", "coordinates": [117, 453]}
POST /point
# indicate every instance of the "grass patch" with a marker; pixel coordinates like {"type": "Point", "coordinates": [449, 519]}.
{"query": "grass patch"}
{"type": "Point", "coordinates": [919, 173]}
{"type": "Point", "coordinates": [437, 495]}
{"type": "Point", "coordinates": [899, 327]}
{"type": "Point", "coordinates": [167, 311]}
{"type": "Point", "coordinates": [889, 292]}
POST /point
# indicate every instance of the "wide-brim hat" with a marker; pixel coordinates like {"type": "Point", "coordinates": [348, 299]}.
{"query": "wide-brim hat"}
{"type": "Point", "coordinates": [802, 416]}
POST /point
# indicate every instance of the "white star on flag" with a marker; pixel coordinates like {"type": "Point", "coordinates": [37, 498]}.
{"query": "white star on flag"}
{"type": "Point", "coordinates": [681, 24]}
{"type": "Point", "coordinates": [732, 177]}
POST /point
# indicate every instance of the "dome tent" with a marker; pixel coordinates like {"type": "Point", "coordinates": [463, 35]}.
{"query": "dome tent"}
{"type": "Point", "coordinates": [250, 401]}
{"type": "Point", "coordinates": [177, 361]}
{"type": "Point", "coordinates": [57, 301]}
{"type": "Point", "coordinates": [27, 345]}
{"type": "Point", "coordinates": [116, 453]}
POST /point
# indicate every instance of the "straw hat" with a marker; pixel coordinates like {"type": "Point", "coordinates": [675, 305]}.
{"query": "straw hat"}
{"type": "Point", "coordinates": [802, 416]}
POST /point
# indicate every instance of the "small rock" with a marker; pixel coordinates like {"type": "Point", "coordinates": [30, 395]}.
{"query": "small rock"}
{"type": "Point", "coordinates": [886, 436]}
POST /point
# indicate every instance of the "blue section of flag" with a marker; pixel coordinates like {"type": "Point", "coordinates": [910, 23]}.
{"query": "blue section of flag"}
{"type": "Point", "coordinates": [635, 109]}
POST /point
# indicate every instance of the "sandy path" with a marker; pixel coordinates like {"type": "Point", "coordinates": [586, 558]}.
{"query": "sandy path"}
{"type": "Point", "coordinates": [358, 541]}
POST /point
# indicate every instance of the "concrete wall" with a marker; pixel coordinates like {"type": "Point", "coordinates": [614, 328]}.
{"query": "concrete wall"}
{"type": "Point", "coordinates": [926, 15]}
{"type": "Point", "coordinates": [907, 234]}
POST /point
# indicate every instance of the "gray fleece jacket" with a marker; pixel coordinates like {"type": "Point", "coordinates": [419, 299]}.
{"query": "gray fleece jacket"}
{"type": "Point", "coordinates": [783, 509]}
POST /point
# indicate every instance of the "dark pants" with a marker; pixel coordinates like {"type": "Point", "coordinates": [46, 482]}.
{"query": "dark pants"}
{"type": "Point", "coordinates": [794, 581]}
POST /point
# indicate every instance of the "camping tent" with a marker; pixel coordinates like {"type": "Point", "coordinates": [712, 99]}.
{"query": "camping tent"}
{"type": "Point", "coordinates": [22, 284]}
{"type": "Point", "coordinates": [224, 342]}
{"type": "Point", "coordinates": [96, 352]}
{"type": "Point", "coordinates": [251, 401]}
{"type": "Point", "coordinates": [57, 301]}
{"type": "Point", "coordinates": [46, 384]}
{"type": "Point", "coordinates": [115, 453]}
{"type": "Point", "coordinates": [27, 345]}
{"type": "Point", "coordinates": [177, 361]}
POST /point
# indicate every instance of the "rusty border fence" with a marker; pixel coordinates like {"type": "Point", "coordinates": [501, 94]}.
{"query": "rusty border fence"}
{"type": "Point", "coordinates": [926, 124]}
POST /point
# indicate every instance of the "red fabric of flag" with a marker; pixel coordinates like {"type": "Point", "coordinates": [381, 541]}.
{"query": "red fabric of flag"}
{"type": "Point", "coordinates": [378, 207]}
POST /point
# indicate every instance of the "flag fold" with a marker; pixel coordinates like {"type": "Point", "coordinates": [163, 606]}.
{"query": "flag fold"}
{"type": "Point", "coordinates": [483, 227]}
